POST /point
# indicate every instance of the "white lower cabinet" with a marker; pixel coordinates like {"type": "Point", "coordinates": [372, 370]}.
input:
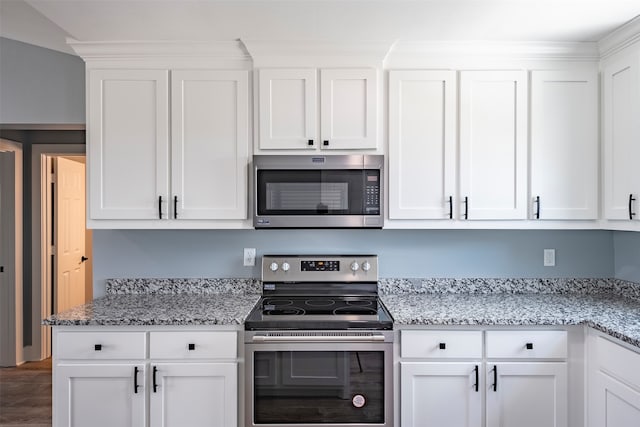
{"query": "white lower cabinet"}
{"type": "Point", "coordinates": [526, 394]}
{"type": "Point", "coordinates": [99, 395]}
{"type": "Point", "coordinates": [440, 394]}
{"type": "Point", "coordinates": [613, 383]}
{"type": "Point", "coordinates": [446, 376]}
{"type": "Point", "coordinates": [193, 394]}
{"type": "Point", "coordinates": [178, 378]}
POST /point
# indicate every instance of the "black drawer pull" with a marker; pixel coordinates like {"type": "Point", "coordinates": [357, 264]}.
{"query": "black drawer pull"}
{"type": "Point", "coordinates": [529, 346]}
{"type": "Point", "coordinates": [495, 378]}
{"type": "Point", "coordinates": [442, 346]}
{"type": "Point", "coordinates": [325, 143]}
{"type": "Point", "coordinates": [160, 207]}
{"type": "Point", "coordinates": [631, 212]}
{"type": "Point", "coordinates": [310, 142]}
{"type": "Point", "coordinates": [97, 347]}
{"type": "Point", "coordinates": [155, 383]}
{"type": "Point", "coordinates": [450, 207]}
{"type": "Point", "coordinates": [175, 207]}
{"type": "Point", "coordinates": [135, 379]}
{"type": "Point", "coordinates": [476, 385]}
{"type": "Point", "coordinates": [192, 346]}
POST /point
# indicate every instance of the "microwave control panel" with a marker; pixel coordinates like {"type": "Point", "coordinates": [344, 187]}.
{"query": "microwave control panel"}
{"type": "Point", "coordinates": [372, 193]}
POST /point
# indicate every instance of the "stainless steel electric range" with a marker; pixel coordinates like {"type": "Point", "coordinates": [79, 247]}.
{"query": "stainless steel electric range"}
{"type": "Point", "coordinates": [319, 344]}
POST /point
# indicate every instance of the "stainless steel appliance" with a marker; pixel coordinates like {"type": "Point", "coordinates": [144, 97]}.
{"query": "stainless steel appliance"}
{"type": "Point", "coordinates": [337, 191]}
{"type": "Point", "coordinates": [319, 345]}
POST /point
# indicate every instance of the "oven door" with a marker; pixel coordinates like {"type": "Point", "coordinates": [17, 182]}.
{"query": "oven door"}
{"type": "Point", "coordinates": [293, 383]}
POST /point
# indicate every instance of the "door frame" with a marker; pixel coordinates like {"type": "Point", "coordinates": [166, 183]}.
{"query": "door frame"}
{"type": "Point", "coordinates": [11, 350]}
{"type": "Point", "coordinates": [40, 347]}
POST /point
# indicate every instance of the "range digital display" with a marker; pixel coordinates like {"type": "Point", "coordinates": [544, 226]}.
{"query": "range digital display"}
{"type": "Point", "coordinates": [320, 265]}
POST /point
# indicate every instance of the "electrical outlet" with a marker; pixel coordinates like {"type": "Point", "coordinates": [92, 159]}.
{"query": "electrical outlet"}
{"type": "Point", "coordinates": [249, 257]}
{"type": "Point", "coordinates": [549, 257]}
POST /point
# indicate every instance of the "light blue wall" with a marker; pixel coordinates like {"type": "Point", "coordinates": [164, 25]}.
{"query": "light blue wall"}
{"type": "Point", "coordinates": [39, 85]}
{"type": "Point", "coordinates": [403, 253]}
{"type": "Point", "coordinates": [626, 248]}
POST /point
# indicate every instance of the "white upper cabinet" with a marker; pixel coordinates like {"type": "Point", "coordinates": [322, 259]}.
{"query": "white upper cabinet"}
{"type": "Point", "coordinates": [128, 143]}
{"type": "Point", "coordinates": [564, 145]}
{"type": "Point", "coordinates": [136, 172]}
{"type": "Point", "coordinates": [349, 109]}
{"type": "Point", "coordinates": [422, 144]}
{"type": "Point", "coordinates": [621, 130]}
{"type": "Point", "coordinates": [493, 145]}
{"type": "Point", "coordinates": [288, 109]}
{"type": "Point", "coordinates": [210, 144]}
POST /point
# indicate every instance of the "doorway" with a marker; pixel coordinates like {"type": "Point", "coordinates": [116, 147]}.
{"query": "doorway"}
{"type": "Point", "coordinates": [66, 258]}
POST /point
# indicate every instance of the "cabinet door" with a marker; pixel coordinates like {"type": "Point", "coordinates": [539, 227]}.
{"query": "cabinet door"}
{"type": "Point", "coordinates": [99, 395]}
{"type": "Point", "coordinates": [349, 109]}
{"type": "Point", "coordinates": [564, 144]}
{"type": "Point", "coordinates": [527, 395]}
{"type": "Point", "coordinates": [288, 109]}
{"type": "Point", "coordinates": [128, 144]}
{"type": "Point", "coordinates": [440, 394]}
{"type": "Point", "coordinates": [621, 94]}
{"type": "Point", "coordinates": [612, 403]}
{"type": "Point", "coordinates": [210, 144]}
{"type": "Point", "coordinates": [422, 144]}
{"type": "Point", "coordinates": [493, 144]}
{"type": "Point", "coordinates": [198, 394]}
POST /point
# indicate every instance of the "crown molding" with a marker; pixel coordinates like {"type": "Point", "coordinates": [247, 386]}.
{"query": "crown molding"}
{"type": "Point", "coordinates": [158, 49]}
{"type": "Point", "coordinates": [561, 51]}
{"type": "Point", "coordinates": [620, 38]}
{"type": "Point", "coordinates": [314, 53]}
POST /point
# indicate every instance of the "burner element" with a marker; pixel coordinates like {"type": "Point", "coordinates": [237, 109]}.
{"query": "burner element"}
{"type": "Point", "coordinates": [320, 302]}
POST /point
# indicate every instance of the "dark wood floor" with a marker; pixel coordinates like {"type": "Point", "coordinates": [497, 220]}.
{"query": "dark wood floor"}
{"type": "Point", "coordinates": [25, 395]}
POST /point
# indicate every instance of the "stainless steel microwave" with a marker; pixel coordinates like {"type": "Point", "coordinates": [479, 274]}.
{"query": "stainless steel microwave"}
{"type": "Point", "coordinates": [332, 191]}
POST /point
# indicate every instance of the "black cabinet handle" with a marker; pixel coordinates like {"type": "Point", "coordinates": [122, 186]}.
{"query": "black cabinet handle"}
{"type": "Point", "coordinates": [160, 207]}
{"type": "Point", "coordinates": [192, 347]}
{"type": "Point", "coordinates": [97, 347]}
{"type": "Point", "coordinates": [442, 346]}
{"type": "Point", "coordinates": [495, 378]}
{"type": "Point", "coordinates": [450, 207]}
{"type": "Point", "coordinates": [155, 384]}
{"type": "Point", "coordinates": [310, 142]}
{"type": "Point", "coordinates": [325, 143]}
{"type": "Point", "coordinates": [529, 346]}
{"type": "Point", "coordinates": [135, 379]}
{"type": "Point", "coordinates": [631, 200]}
{"type": "Point", "coordinates": [466, 208]}
{"type": "Point", "coordinates": [476, 385]}
{"type": "Point", "coordinates": [537, 202]}
{"type": "Point", "coordinates": [175, 207]}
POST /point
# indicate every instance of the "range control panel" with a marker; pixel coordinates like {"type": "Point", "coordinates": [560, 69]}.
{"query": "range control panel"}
{"type": "Point", "coordinates": [313, 268]}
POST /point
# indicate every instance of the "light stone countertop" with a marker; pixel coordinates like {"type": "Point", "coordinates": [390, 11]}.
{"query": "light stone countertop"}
{"type": "Point", "coordinates": [609, 313]}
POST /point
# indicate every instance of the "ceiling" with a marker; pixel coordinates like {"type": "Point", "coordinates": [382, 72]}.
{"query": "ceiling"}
{"type": "Point", "coordinates": [48, 23]}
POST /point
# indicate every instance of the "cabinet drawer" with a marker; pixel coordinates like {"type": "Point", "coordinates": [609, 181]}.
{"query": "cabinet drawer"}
{"type": "Point", "coordinates": [193, 345]}
{"type": "Point", "coordinates": [618, 361]}
{"type": "Point", "coordinates": [101, 345]}
{"type": "Point", "coordinates": [437, 344]}
{"type": "Point", "coordinates": [527, 344]}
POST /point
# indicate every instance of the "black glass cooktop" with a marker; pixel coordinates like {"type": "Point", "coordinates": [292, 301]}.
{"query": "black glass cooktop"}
{"type": "Point", "coordinates": [318, 312]}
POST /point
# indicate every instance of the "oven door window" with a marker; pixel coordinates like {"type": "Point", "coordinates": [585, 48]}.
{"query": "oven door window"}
{"type": "Point", "coordinates": [318, 387]}
{"type": "Point", "coordinates": [315, 192]}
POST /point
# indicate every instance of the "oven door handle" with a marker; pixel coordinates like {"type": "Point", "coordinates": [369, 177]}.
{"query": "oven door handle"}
{"type": "Point", "coordinates": [317, 338]}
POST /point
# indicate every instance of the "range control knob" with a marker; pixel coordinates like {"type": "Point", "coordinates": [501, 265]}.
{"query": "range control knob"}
{"type": "Point", "coordinates": [273, 266]}
{"type": "Point", "coordinates": [285, 266]}
{"type": "Point", "coordinates": [366, 266]}
{"type": "Point", "coordinates": [355, 266]}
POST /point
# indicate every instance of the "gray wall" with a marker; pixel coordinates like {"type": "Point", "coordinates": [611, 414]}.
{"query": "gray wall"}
{"type": "Point", "coordinates": [626, 248]}
{"type": "Point", "coordinates": [39, 85]}
{"type": "Point", "coordinates": [403, 253]}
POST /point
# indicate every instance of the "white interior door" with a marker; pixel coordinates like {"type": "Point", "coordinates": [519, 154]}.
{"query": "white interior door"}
{"type": "Point", "coordinates": [69, 232]}
{"type": "Point", "coordinates": [7, 260]}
